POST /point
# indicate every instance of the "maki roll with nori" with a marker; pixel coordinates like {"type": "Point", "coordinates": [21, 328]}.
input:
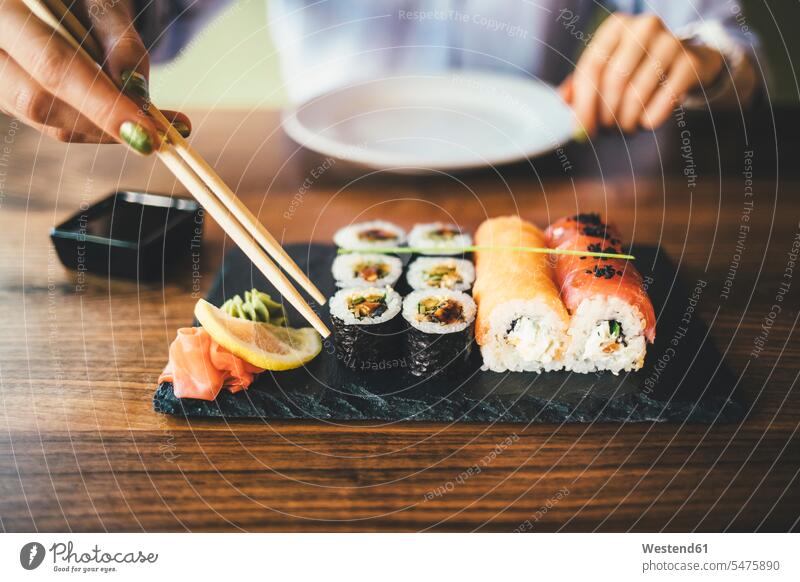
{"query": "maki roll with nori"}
{"type": "Point", "coordinates": [440, 237]}
{"type": "Point", "coordinates": [441, 273]}
{"type": "Point", "coordinates": [439, 338]}
{"type": "Point", "coordinates": [366, 270]}
{"type": "Point", "coordinates": [366, 326]}
{"type": "Point", "coordinates": [375, 234]}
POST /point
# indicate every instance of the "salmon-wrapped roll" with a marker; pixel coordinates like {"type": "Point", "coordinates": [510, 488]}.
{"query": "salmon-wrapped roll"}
{"type": "Point", "coordinates": [522, 322]}
{"type": "Point", "coordinates": [590, 224]}
{"type": "Point", "coordinates": [612, 315]}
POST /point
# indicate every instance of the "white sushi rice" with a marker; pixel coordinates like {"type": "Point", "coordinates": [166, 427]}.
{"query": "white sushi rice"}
{"type": "Point", "coordinates": [338, 305]}
{"type": "Point", "coordinates": [592, 347]}
{"type": "Point", "coordinates": [348, 237]}
{"type": "Point", "coordinates": [420, 236]}
{"type": "Point", "coordinates": [524, 335]}
{"type": "Point", "coordinates": [344, 270]}
{"type": "Point", "coordinates": [417, 279]}
{"type": "Point", "coordinates": [412, 316]}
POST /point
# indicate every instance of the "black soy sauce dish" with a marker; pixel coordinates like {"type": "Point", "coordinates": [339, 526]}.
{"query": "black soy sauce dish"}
{"type": "Point", "coordinates": [132, 235]}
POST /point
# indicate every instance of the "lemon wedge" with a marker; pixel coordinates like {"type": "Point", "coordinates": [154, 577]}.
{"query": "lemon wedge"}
{"type": "Point", "coordinates": [267, 346]}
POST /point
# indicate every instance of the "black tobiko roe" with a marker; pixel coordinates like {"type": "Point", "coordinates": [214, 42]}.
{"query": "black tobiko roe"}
{"type": "Point", "coordinates": [588, 218]}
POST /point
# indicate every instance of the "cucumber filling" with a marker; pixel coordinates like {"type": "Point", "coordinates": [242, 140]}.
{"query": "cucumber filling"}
{"type": "Point", "coordinates": [444, 276]}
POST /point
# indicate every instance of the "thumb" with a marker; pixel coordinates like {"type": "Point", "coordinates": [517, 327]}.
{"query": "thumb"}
{"type": "Point", "coordinates": [126, 60]}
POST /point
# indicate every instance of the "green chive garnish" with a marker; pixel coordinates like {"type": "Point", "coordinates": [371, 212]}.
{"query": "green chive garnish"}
{"type": "Point", "coordinates": [473, 248]}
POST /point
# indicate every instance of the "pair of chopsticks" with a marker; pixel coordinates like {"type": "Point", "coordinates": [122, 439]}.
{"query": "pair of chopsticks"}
{"type": "Point", "coordinates": [201, 180]}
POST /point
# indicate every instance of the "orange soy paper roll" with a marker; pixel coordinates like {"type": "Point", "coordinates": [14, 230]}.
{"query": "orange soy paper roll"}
{"type": "Point", "coordinates": [522, 322]}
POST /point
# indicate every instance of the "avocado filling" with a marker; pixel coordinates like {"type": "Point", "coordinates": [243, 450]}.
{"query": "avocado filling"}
{"type": "Point", "coordinates": [376, 235]}
{"type": "Point", "coordinates": [444, 311]}
{"type": "Point", "coordinates": [371, 271]}
{"type": "Point", "coordinates": [444, 276]}
{"type": "Point", "coordinates": [363, 306]}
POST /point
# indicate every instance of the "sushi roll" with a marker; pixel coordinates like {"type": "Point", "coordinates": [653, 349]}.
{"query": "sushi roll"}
{"type": "Point", "coordinates": [522, 322]}
{"type": "Point", "coordinates": [612, 316]}
{"type": "Point", "coordinates": [366, 270]}
{"type": "Point", "coordinates": [366, 326]}
{"type": "Point", "coordinates": [441, 273]}
{"type": "Point", "coordinates": [439, 236]}
{"type": "Point", "coordinates": [374, 234]}
{"type": "Point", "coordinates": [440, 333]}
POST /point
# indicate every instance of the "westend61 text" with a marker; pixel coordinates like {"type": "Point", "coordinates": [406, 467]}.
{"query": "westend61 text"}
{"type": "Point", "coordinates": [673, 549]}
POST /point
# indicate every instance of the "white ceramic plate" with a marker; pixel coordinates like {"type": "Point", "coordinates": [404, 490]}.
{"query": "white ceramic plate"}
{"type": "Point", "coordinates": [424, 123]}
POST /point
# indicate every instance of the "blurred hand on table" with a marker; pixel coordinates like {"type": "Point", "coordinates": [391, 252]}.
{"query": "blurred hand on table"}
{"type": "Point", "coordinates": [634, 72]}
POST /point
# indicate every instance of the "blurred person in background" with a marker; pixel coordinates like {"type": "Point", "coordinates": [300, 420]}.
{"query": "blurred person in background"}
{"type": "Point", "coordinates": [645, 58]}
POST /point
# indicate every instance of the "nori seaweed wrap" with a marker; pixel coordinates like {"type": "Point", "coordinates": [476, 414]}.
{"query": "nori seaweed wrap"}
{"type": "Point", "coordinates": [366, 327]}
{"type": "Point", "coordinates": [440, 334]}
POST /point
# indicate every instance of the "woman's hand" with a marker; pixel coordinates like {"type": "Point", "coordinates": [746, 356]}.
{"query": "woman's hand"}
{"type": "Point", "coordinates": [49, 85]}
{"type": "Point", "coordinates": [634, 72]}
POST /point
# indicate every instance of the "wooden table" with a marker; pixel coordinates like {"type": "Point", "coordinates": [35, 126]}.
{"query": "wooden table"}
{"type": "Point", "coordinates": [82, 450]}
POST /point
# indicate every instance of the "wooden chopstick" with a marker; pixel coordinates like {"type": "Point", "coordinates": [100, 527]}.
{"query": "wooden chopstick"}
{"type": "Point", "coordinates": [223, 212]}
{"type": "Point", "coordinates": [76, 29]}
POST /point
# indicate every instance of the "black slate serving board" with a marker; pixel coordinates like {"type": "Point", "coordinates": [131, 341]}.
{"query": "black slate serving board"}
{"type": "Point", "coordinates": [683, 379]}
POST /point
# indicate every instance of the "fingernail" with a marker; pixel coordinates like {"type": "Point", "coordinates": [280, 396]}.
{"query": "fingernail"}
{"type": "Point", "coordinates": [181, 128]}
{"type": "Point", "coordinates": [136, 137]}
{"type": "Point", "coordinates": [136, 83]}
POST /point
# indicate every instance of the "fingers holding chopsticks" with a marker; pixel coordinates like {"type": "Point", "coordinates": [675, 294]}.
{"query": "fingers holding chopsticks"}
{"type": "Point", "coordinates": [57, 87]}
{"type": "Point", "coordinates": [24, 97]}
